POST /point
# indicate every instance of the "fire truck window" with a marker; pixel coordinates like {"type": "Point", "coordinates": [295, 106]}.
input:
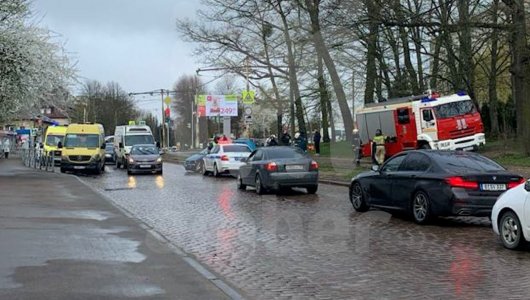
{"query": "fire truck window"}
{"type": "Point", "coordinates": [452, 109]}
{"type": "Point", "coordinates": [427, 115]}
{"type": "Point", "coordinates": [403, 116]}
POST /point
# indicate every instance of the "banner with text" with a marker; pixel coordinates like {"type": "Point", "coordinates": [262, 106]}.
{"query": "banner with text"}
{"type": "Point", "coordinates": [217, 105]}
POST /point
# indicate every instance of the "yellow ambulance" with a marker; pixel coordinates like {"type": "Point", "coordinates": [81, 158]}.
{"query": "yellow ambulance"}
{"type": "Point", "coordinates": [54, 135]}
{"type": "Point", "coordinates": [83, 148]}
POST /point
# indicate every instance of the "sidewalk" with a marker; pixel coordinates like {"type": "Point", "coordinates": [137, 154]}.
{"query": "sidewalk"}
{"type": "Point", "coordinates": [61, 240]}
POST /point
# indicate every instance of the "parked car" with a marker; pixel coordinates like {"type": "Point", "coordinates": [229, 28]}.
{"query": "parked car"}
{"type": "Point", "coordinates": [144, 159]}
{"type": "Point", "coordinates": [109, 153]}
{"type": "Point", "coordinates": [224, 158]}
{"type": "Point", "coordinates": [194, 162]}
{"type": "Point", "coordinates": [273, 168]}
{"type": "Point", "coordinates": [429, 183]}
{"type": "Point", "coordinates": [510, 217]}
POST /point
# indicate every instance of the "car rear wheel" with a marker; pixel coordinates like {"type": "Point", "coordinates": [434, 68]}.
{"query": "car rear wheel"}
{"type": "Point", "coordinates": [421, 208]}
{"type": "Point", "coordinates": [357, 199]}
{"type": "Point", "coordinates": [215, 171]}
{"type": "Point", "coordinates": [312, 189]}
{"type": "Point", "coordinates": [240, 184]}
{"type": "Point", "coordinates": [260, 190]}
{"type": "Point", "coordinates": [510, 231]}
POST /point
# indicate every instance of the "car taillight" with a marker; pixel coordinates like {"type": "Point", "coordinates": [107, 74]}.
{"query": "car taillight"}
{"type": "Point", "coordinates": [225, 158]}
{"type": "Point", "coordinates": [271, 167]}
{"type": "Point", "coordinates": [313, 166]}
{"type": "Point", "coordinates": [513, 184]}
{"type": "Point", "coordinates": [460, 182]}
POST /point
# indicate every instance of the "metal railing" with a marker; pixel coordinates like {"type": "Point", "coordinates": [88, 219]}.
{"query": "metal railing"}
{"type": "Point", "coordinates": [38, 159]}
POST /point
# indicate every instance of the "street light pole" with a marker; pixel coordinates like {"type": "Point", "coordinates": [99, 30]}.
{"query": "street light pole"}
{"type": "Point", "coordinates": [162, 124]}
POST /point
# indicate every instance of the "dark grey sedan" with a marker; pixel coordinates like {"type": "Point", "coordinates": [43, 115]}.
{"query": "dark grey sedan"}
{"type": "Point", "coordinates": [144, 159]}
{"type": "Point", "coordinates": [274, 168]}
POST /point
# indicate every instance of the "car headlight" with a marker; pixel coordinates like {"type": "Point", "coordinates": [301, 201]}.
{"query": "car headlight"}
{"type": "Point", "coordinates": [131, 160]}
{"type": "Point", "coordinates": [95, 157]}
{"type": "Point", "coordinates": [64, 157]}
{"type": "Point", "coordinates": [159, 160]}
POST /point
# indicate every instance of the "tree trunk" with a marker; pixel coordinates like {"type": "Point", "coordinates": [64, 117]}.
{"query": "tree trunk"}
{"type": "Point", "coordinates": [492, 81]}
{"type": "Point", "coordinates": [520, 70]}
{"type": "Point", "coordinates": [435, 69]}
{"type": "Point", "coordinates": [403, 34]}
{"type": "Point", "coordinates": [371, 51]}
{"type": "Point", "coordinates": [324, 99]}
{"type": "Point", "coordinates": [466, 65]}
{"type": "Point", "coordinates": [332, 122]}
{"type": "Point", "coordinates": [320, 45]}
{"type": "Point", "coordinates": [293, 78]}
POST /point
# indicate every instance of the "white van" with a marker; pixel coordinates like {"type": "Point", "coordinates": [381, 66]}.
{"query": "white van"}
{"type": "Point", "coordinates": [127, 136]}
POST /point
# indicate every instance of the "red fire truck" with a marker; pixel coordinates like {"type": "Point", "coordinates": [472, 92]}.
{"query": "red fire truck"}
{"type": "Point", "coordinates": [422, 122]}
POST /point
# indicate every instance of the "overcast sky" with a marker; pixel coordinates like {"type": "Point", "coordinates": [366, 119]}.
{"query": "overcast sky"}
{"type": "Point", "coordinates": [132, 42]}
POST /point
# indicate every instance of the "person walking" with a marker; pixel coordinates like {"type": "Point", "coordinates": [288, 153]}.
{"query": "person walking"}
{"type": "Point", "coordinates": [379, 142]}
{"type": "Point", "coordinates": [316, 139]}
{"type": "Point", "coordinates": [285, 138]}
{"type": "Point", "coordinates": [7, 147]}
{"type": "Point", "coordinates": [271, 141]}
{"type": "Point", "coordinates": [300, 141]}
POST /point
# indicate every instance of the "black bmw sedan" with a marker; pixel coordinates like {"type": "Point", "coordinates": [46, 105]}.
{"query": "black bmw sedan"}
{"type": "Point", "coordinates": [429, 183]}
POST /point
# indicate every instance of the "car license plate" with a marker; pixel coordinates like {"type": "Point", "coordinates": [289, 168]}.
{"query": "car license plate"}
{"type": "Point", "coordinates": [294, 167]}
{"type": "Point", "coordinates": [468, 148]}
{"type": "Point", "coordinates": [145, 166]}
{"type": "Point", "coordinates": [79, 167]}
{"type": "Point", "coordinates": [493, 187]}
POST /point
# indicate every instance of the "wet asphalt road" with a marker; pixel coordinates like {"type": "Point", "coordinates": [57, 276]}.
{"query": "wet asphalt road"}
{"type": "Point", "coordinates": [294, 245]}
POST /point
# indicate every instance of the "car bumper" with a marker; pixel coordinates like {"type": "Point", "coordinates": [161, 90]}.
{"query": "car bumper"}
{"type": "Point", "coordinates": [91, 166]}
{"type": "Point", "coordinates": [109, 158]}
{"type": "Point", "coordinates": [467, 203]}
{"type": "Point", "coordinates": [299, 179]}
{"type": "Point", "coordinates": [465, 143]}
{"type": "Point", "coordinates": [190, 165]}
{"type": "Point", "coordinates": [230, 166]}
{"type": "Point", "coordinates": [144, 168]}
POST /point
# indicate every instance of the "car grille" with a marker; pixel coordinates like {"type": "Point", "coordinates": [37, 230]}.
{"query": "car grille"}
{"type": "Point", "coordinates": [79, 157]}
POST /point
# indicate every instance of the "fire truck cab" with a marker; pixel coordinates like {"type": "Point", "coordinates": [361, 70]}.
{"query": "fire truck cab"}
{"type": "Point", "coordinates": [422, 122]}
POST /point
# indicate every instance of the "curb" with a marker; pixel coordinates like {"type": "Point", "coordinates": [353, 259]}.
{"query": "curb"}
{"type": "Point", "coordinates": [188, 258]}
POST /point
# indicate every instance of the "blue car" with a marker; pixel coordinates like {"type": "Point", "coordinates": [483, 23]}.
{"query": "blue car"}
{"type": "Point", "coordinates": [194, 162]}
{"type": "Point", "coordinates": [249, 142]}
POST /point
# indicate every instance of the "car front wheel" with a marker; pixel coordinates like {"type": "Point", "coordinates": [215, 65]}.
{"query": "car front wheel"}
{"type": "Point", "coordinates": [260, 190]}
{"type": "Point", "coordinates": [511, 231]}
{"type": "Point", "coordinates": [357, 199]}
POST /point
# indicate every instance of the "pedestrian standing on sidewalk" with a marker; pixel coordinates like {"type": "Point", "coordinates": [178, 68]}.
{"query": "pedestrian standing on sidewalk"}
{"type": "Point", "coordinates": [6, 145]}
{"type": "Point", "coordinates": [379, 141]}
{"type": "Point", "coordinates": [316, 139]}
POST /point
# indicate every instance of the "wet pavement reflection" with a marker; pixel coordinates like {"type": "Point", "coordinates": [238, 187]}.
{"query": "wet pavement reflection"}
{"type": "Point", "coordinates": [296, 245]}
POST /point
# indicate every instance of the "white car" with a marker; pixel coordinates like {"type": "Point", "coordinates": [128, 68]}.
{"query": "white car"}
{"type": "Point", "coordinates": [510, 216]}
{"type": "Point", "coordinates": [225, 158]}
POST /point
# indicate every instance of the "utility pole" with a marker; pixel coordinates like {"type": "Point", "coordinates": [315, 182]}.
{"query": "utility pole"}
{"type": "Point", "coordinates": [163, 123]}
{"type": "Point", "coordinates": [353, 98]}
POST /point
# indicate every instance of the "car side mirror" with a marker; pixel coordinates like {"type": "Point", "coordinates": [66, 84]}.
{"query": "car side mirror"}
{"type": "Point", "coordinates": [375, 168]}
{"type": "Point", "coordinates": [59, 145]}
{"type": "Point", "coordinates": [120, 145]}
{"type": "Point", "coordinates": [527, 185]}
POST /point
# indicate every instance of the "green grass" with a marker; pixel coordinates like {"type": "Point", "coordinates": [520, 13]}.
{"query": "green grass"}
{"type": "Point", "coordinates": [338, 149]}
{"type": "Point", "coordinates": [513, 159]}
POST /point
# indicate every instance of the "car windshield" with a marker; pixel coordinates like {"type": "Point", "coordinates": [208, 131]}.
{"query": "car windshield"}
{"type": "Point", "coordinates": [235, 148]}
{"type": "Point", "coordinates": [81, 140]}
{"type": "Point", "coordinates": [284, 153]}
{"type": "Point", "coordinates": [109, 147]}
{"type": "Point", "coordinates": [144, 150]}
{"type": "Point", "coordinates": [131, 140]}
{"type": "Point", "coordinates": [467, 163]}
{"type": "Point", "coordinates": [453, 109]}
{"type": "Point", "coordinates": [53, 140]}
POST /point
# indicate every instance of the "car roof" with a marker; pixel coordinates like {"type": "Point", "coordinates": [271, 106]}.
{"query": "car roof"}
{"type": "Point", "coordinates": [143, 145]}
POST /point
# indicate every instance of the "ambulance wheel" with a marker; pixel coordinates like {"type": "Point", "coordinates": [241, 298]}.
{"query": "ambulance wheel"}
{"type": "Point", "coordinates": [425, 146]}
